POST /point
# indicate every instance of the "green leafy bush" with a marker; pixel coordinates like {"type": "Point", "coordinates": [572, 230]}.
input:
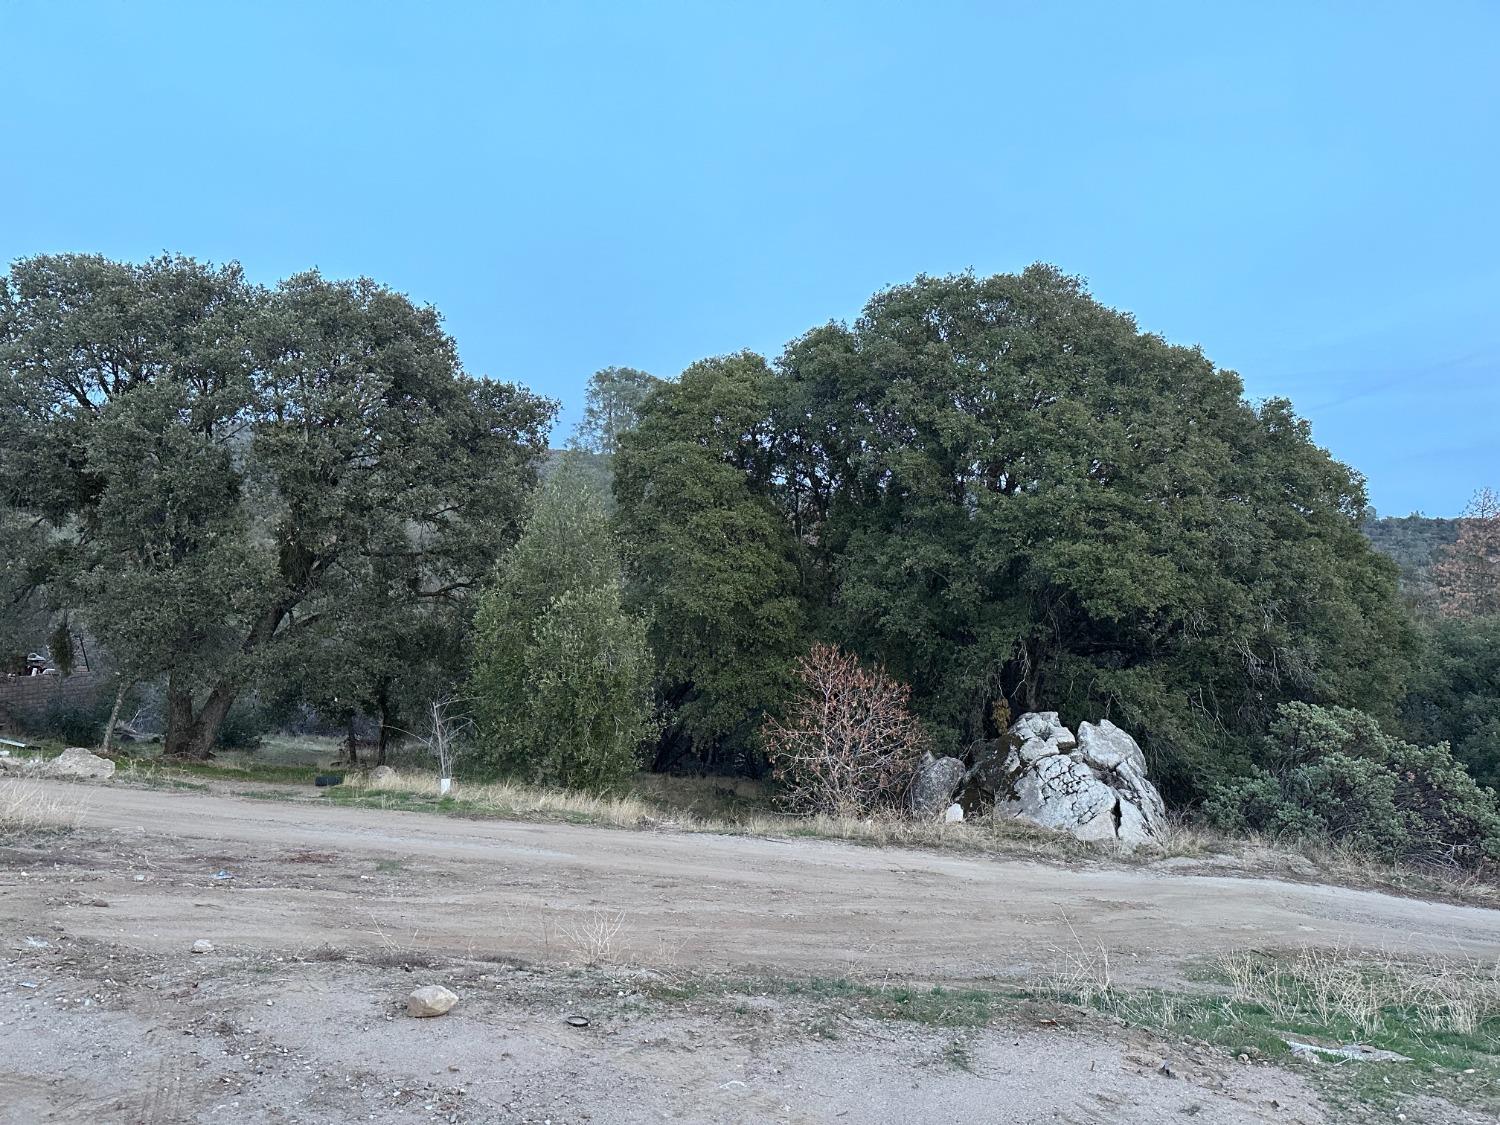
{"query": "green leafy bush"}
{"type": "Point", "coordinates": [1455, 696]}
{"type": "Point", "coordinates": [587, 690]}
{"type": "Point", "coordinates": [561, 676]}
{"type": "Point", "coordinates": [74, 723]}
{"type": "Point", "coordinates": [1334, 775]}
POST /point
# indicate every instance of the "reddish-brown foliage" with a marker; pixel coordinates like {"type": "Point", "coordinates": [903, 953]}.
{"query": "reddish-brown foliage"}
{"type": "Point", "coordinates": [849, 744]}
{"type": "Point", "coordinates": [1468, 574]}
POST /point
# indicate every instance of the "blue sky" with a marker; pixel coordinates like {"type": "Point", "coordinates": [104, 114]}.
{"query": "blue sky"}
{"type": "Point", "coordinates": [1309, 191]}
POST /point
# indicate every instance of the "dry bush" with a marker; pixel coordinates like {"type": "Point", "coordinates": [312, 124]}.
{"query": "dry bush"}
{"type": "Point", "coordinates": [593, 940]}
{"type": "Point", "coordinates": [849, 744]}
{"type": "Point", "coordinates": [26, 806]}
{"type": "Point", "coordinates": [1467, 572]}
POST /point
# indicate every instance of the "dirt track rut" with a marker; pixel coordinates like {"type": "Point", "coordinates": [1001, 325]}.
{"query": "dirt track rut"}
{"type": "Point", "coordinates": [306, 874]}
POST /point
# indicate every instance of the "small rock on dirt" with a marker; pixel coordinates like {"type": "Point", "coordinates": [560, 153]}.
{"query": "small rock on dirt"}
{"type": "Point", "coordinates": [203, 946]}
{"type": "Point", "coordinates": [430, 1000]}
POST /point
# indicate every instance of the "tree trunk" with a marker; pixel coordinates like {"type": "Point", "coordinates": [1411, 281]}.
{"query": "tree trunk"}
{"type": "Point", "coordinates": [351, 752]}
{"type": "Point", "coordinates": [114, 717]}
{"type": "Point", "coordinates": [383, 703]}
{"type": "Point", "coordinates": [192, 736]}
{"type": "Point", "coordinates": [1031, 674]}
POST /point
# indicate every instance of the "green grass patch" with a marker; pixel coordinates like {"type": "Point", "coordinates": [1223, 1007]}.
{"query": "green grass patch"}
{"type": "Point", "coordinates": [1442, 1014]}
{"type": "Point", "coordinates": [396, 799]}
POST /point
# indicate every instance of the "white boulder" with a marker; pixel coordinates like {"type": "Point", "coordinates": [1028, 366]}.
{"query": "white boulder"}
{"type": "Point", "coordinates": [1106, 747]}
{"type": "Point", "coordinates": [1093, 787]}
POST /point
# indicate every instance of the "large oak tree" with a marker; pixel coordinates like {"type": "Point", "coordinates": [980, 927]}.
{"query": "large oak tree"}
{"type": "Point", "coordinates": [1006, 492]}
{"type": "Point", "coordinates": [239, 482]}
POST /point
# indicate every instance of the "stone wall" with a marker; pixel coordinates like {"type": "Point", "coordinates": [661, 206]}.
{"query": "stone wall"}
{"type": "Point", "coordinates": [24, 699]}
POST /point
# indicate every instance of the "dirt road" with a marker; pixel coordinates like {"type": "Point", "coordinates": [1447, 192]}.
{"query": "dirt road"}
{"type": "Point", "coordinates": [321, 920]}
{"type": "Point", "coordinates": [304, 875]}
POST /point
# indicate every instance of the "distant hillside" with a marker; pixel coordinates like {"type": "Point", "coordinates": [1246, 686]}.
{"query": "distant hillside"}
{"type": "Point", "coordinates": [1412, 542]}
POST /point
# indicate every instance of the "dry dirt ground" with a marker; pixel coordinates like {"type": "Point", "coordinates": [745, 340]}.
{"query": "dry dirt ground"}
{"type": "Point", "coordinates": [323, 918]}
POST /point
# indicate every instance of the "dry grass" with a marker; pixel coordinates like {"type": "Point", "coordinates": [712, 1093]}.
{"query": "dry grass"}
{"type": "Point", "coordinates": [25, 806]}
{"type": "Point", "coordinates": [1441, 1013]}
{"type": "Point", "coordinates": [1365, 992]}
{"type": "Point", "coordinates": [507, 798]}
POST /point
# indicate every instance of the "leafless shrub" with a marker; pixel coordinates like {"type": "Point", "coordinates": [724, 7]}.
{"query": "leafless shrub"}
{"type": "Point", "coordinates": [849, 744]}
{"type": "Point", "coordinates": [593, 940]}
{"type": "Point", "coordinates": [447, 725]}
{"type": "Point", "coordinates": [1467, 572]}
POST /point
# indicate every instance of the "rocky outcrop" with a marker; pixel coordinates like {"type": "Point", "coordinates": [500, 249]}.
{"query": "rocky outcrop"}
{"type": "Point", "coordinates": [1093, 786]}
{"type": "Point", "coordinates": [933, 785]}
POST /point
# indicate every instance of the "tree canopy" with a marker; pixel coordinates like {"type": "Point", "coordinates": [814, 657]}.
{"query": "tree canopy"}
{"type": "Point", "coordinates": [1003, 491]}
{"type": "Point", "coordinates": [240, 481]}
{"type": "Point", "coordinates": [612, 407]}
{"type": "Point", "coordinates": [711, 558]}
{"type": "Point", "coordinates": [561, 677]}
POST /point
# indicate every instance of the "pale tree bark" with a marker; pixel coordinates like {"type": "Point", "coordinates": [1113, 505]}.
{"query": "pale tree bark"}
{"type": "Point", "coordinates": [114, 715]}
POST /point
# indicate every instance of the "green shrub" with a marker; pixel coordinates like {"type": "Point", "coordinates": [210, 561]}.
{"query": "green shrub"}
{"type": "Point", "coordinates": [73, 723]}
{"type": "Point", "coordinates": [588, 691]}
{"type": "Point", "coordinates": [561, 673]}
{"type": "Point", "coordinates": [245, 725]}
{"type": "Point", "coordinates": [1333, 775]}
{"type": "Point", "coordinates": [1456, 693]}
